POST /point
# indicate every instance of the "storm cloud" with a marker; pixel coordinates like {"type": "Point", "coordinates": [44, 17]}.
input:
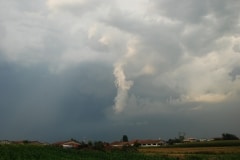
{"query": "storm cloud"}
{"type": "Point", "coordinates": [101, 69]}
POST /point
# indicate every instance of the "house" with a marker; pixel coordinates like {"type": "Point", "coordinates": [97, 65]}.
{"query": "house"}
{"type": "Point", "coordinates": [188, 140]}
{"type": "Point", "coordinates": [141, 143]}
{"type": "Point", "coordinates": [150, 143]}
{"type": "Point", "coordinates": [68, 144]}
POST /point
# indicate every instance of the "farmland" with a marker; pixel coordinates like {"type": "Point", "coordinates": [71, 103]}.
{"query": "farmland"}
{"type": "Point", "coordinates": [184, 152]}
{"type": "Point", "coordinates": [31, 152]}
{"type": "Point", "coordinates": [200, 150]}
{"type": "Point", "coordinates": [228, 150]}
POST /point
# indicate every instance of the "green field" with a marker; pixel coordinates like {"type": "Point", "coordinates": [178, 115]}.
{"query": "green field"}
{"type": "Point", "coordinates": [34, 152]}
{"type": "Point", "coordinates": [31, 152]}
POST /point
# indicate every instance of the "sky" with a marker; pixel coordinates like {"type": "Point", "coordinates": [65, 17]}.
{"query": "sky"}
{"type": "Point", "coordinates": [100, 69]}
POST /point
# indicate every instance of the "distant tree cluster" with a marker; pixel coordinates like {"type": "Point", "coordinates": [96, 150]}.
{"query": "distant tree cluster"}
{"type": "Point", "coordinates": [177, 140]}
{"type": "Point", "coordinates": [174, 141]}
{"type": "Point", "coordinates": [228, 136]}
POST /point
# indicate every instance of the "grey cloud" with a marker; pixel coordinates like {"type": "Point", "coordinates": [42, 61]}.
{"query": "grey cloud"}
{"type": "Point", "coordinates": [155, 92]}
{"type": "Point", "coordinates": [167, 43]}
{"type": "Point", "coordinates": [234, 73]}
{"type": "Point", "coordinates": [24, 5]}
{"type": "Point", "coordinates": [168, 125]}
{"type": "Point", "coordinates": [187, 11]}
{"type": "Point", "coordinates": [206, 23]}
{"type": "Point", "coordinates": [155, 39]}
{"type": "Point", "coordinates": [72, 99]}
{"type": "Point", "coordinates": [236, 48]}
{"type": "Point", "coordinates": [77, 8]}
{"type": "Point", "coordinates": [183, 11]}
{"type": "Point", "coordinates": [55, 74]}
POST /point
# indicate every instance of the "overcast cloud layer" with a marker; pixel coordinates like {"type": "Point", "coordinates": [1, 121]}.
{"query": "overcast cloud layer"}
{"type": "Point", "coordinates": [98, 69]}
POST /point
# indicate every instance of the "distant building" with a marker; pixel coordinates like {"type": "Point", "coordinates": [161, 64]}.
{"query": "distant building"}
{"type": "Point", "coordinates": [28, 142]}
{"type": "Point", "coordinates": [189, 140]}
{"type": "Point", "coordinates": [5, 142]}
{"type": "Point", "coordinates": [203, 140]}
{"type": "Point", "coordinates": [141, 143]}
{"type": "Point", "coordinates": [150, 143]}
{"type": "Point", "coordinates": [68, 144]}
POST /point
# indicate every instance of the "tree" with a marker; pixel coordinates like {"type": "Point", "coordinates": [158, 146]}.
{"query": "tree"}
{"type": "Point", "coordinates": [181, 136]}
{"type": "Point", "coordinates": [136, 144]}
{"type": "Point", "coordinates": [125, 138]}
{"type": "Point", "coordinates": [98, 145]}
{"type": "Point", "coordinates": [228, 136]}
{"type": "Point", "coordinates": [173, 141]}
{"type": "Point", "coordinates": [25, 142]}
{"type": "Point", "coordinates": [90, 144]}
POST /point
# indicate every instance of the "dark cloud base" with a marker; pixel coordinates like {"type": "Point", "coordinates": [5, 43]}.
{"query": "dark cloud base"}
{"type": "Point", "coordinates": [39, 101]}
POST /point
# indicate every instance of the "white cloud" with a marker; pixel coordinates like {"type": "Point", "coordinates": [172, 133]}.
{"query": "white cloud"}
{"type": "Point", "coordinates": [148, 69]}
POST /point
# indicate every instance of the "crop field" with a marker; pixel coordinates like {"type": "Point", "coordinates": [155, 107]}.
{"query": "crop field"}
{"type": "Point", "coordinates": [223, 150]}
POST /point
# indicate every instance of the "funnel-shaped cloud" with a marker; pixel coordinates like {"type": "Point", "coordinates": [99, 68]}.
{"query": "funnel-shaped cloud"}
{"type": "Point", "coordinates": [122, 87]}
